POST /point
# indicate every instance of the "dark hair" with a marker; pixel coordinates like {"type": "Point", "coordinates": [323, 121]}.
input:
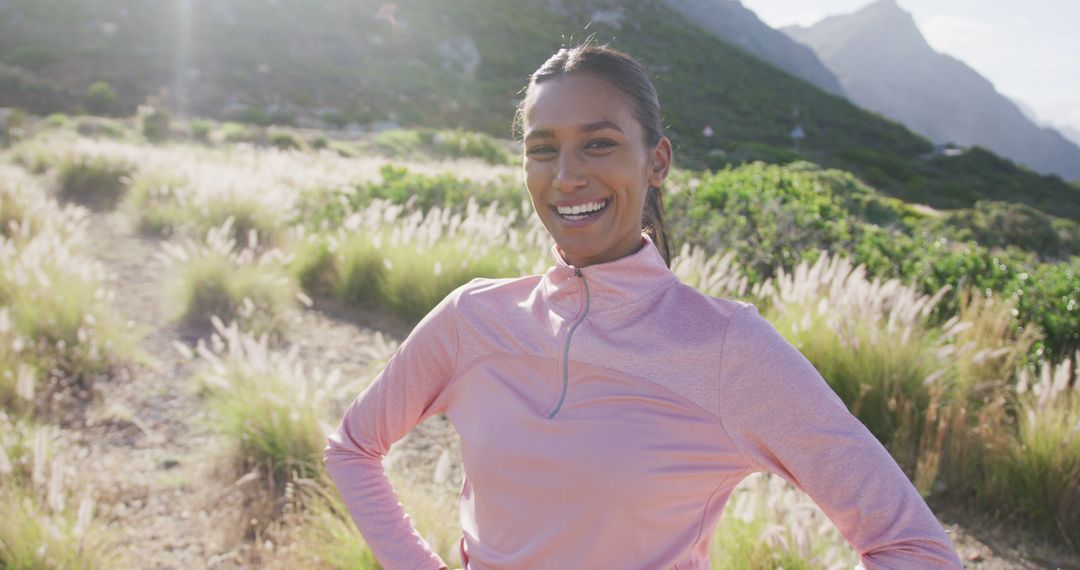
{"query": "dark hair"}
{"type": "Point", "coordinates": [628, 76]}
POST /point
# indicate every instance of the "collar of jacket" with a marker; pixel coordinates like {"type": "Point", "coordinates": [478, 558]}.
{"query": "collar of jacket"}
{"type": "Point", "coordinates": [611, 284]}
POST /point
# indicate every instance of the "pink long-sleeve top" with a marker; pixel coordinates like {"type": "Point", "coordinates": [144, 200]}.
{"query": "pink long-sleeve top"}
{"type": "Point", "coordinates": [605, 415]}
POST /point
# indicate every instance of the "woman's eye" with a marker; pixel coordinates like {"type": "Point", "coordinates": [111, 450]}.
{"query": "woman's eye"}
{"type": "Point", "coordinates": [539, 150]}
{"type": "Point", "coordinates": [600, 144]}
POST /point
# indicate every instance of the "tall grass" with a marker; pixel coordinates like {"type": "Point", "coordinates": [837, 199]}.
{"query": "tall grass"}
{"type": "Point", "coordinates": [42, 526]}
{"type": "Point", "coordinates": [96, 182]}
{"type": "Point", "coordinates": [769, 524]}
{"type": "Point", "coordinates": [54, 308]}
{"type": "Point", "coordinates": [1038, 469]}
{"type": "Point", "coordinates": [871, 340]}
{"type": "Point", "coordinates": [266, 403]}
{"type": "Point", "coordinates": [215, 277]}
{"type": "Point", "coordinates": [409, 261]}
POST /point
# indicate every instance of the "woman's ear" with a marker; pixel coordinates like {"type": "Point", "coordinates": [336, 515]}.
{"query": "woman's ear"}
{"type": "Point", "coordinates": [660, 162]}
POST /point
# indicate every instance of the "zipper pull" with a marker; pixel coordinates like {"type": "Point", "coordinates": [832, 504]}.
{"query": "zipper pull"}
{"type": "Point", "coordinates": [577, 271]}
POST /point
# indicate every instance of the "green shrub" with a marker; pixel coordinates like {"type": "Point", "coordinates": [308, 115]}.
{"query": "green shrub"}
{"type": "Point", "coordinates": [284, 140]}
{"type": "Point", "coordinates": [218, 279]}
{"type": "Point", "coordinates": [101, 99]}
{"type": "Point", "coordinates": [445, 144]}
{"type": "Point", "coordinates": [97, 182]}
{"type": "Point", "coordinates": [253, 115]}
{"type": "Point", "coordinates": [155, 123]}
{"type": "Point", "coordinates": [200, 130]}
{"type": "Point", "coordinates": [12, 126]}
{"type": "Point", "coordinates": [238, 133]}
{"type": "Point", "coordinates": [33, 536]}
{"type": "Point", "coordinates": [57, 120]}
{"type": "Point", "coordinates": [266, 405]}
{"type": "Point", "coordinates": [325, 532]}
{"type": "Point", "coordinates": [400, 185]}
{"type": "Point", "coordinates": [319, 142]}
{"type": "Point", "coordinates": [96, 127]}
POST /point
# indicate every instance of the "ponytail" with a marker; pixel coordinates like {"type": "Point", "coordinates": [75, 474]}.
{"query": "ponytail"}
{"type": "Point", "coordinates": [652, 222]}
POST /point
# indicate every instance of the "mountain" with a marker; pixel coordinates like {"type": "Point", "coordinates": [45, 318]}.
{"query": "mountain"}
{"type": "Point", "coordinates": [1071, 133]}
{"type": "Point", "coordinates": [463, 64]}
{"type": "Point", "coordinates": [885, 64]}
{"type": "Point", "coordinates": [732, 22]}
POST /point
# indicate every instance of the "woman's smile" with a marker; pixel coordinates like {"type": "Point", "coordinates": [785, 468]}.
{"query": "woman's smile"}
{"type": "Point", "coordinates": [576, 215]}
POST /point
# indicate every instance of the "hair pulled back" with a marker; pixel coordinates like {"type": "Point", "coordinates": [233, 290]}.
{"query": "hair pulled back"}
{"type": "Point", "coordinates": [630, 78]}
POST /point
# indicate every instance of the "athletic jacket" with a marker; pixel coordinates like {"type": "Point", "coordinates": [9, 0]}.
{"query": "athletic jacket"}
{"type": "Point", "coordinates": [605, 415]}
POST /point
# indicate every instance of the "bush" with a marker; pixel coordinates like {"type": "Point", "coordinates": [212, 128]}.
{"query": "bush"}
{"type": "Point", "coordinates": [12, 126]}
{"type": "Point", "coordinates": [266, 404]}
{"type": "Point", "coordinates": [155, 123]}
{"type": "Point", "coordinates": [200, 130]}
{"type": "Point", "coordinates": [97, 182]}
{"type": "Point", "coordinates": [284, 140]}
{"type": "Point", "coordinates": [217, 279]}
{"type": "Point", "coordinates": [238, 133]}
{"type": "Point", "coordinates": [101, 99]}
{"type": "Point", "coordinates": [446, 144]}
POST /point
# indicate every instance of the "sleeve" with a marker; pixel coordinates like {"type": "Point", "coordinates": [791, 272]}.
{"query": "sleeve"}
{"type": "Point", "coordinates": [409, 389]}
{"type": "Point", "coordinates": [784, 418]}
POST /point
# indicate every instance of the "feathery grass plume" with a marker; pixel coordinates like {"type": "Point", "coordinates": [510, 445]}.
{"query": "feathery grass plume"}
{"type": "Point", "coordinates": [985, 344]}
{"type": "Point", "coordinates": [56, 318]}
{"type": "Point", "coordinates": [1039, 471]}
{"type": "Point", "coordinates": [156, 201]}
{"type": "Point", "coordinates": [96, 182]}
{"type": "Point", "coordinates": [718, 275]}
{"type": "Point", "coordinates": [42, 528]}
{"type": "Point", "coordinates": [769, 524]}
{"type": "Point", "coordinates": [269, 407]}
{"type": "Point", "coordinates": [869, 339]}
{"type": "Point", "coordinates": [26, 208]}
{"type": "Point", "coordinates": [321, 533]}
{"type": "Point", "coordinates": [409, 261]}
{"type": "Point", "coordinates": [215, 278]}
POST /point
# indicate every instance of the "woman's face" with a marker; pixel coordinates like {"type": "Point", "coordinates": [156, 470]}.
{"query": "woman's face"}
{"type": "Point", "coordinates": [587, 167]}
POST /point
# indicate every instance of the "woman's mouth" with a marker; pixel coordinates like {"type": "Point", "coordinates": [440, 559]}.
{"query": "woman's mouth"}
{"type": "Point", "coordinates": [582, 212]}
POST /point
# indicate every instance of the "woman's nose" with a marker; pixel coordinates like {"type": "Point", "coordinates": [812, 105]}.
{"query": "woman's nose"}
{"type": "Point", "coordinates": [571, 176]}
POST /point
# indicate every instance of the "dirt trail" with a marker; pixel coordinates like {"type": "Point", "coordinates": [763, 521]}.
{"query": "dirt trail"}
{"type": "Point", "coordinates": [150, 454]}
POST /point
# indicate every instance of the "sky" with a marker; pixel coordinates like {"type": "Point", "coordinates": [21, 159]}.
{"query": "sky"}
{"type": "Point", "coordinates": [1029, 50]}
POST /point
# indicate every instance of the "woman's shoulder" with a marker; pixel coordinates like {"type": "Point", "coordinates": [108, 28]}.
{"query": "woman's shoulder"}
{"type": "Point", "coordinates": [700, 305]}
{"type": "Point", "coordinates": [487, 293]}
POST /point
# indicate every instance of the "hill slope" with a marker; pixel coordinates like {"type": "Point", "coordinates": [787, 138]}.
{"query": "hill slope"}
{"type": "Point", "coordinates": [731, 22]}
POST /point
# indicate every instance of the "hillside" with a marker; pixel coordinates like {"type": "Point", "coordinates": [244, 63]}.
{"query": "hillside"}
{"type": "Point", "coordinates": [733, 23]}
{"type": "Point", "coordinates": [885, 64]}
{"type": "Point", "coordinates": [435, 64]}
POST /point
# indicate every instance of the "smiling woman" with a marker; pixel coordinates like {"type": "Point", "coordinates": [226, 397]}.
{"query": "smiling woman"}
{"type": "Point", "coordinates": [607, 410]}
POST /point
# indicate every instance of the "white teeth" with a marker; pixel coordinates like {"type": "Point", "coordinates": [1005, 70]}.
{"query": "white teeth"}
{"type": "Point", "coordinates": [581, 208]}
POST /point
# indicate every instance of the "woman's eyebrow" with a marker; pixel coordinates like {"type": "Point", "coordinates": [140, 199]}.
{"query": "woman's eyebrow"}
{"type": "Point", "coordinates": [586, 128]}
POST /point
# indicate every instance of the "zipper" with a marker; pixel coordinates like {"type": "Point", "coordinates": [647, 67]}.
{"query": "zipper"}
{"type": "Point", "coordinates": [566, 346]}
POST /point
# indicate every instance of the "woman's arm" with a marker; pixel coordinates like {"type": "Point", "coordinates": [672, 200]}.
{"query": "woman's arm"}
{"type": "Point", "coordinates": [784, 418]}
{"type": "Point", "coordinates": [410, 389]}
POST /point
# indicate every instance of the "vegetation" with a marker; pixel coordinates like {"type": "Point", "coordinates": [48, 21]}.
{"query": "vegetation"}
{"type": "Point", "coordinates": [101, 99]}
{"type": "Point", "coordinates": [216, 278]}
{"type": "Point", "coordinates": [94, 181]}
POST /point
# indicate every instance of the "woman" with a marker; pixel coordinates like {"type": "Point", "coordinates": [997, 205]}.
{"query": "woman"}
{"type": "Point", "coordinates": [606, 410]}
